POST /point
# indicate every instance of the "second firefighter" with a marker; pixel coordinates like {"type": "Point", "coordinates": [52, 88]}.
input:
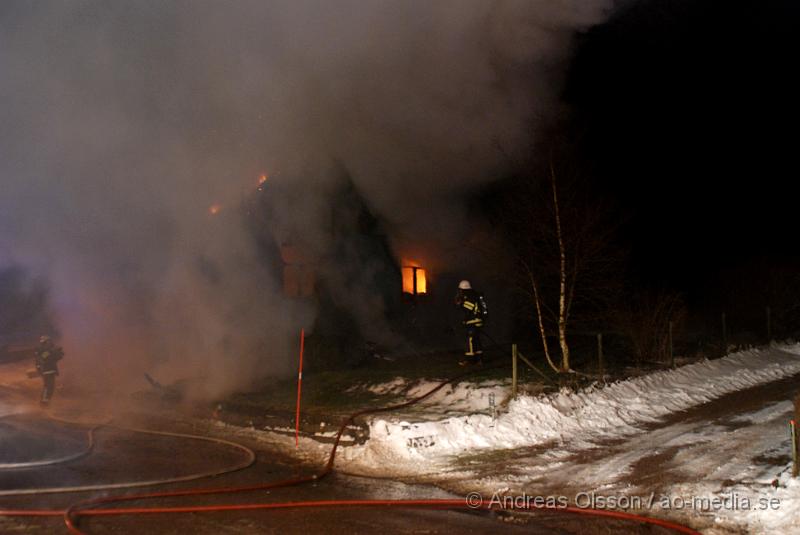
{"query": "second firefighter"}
{"type": "Point", "coordinates": [47, 357]}
{"type": "Point", "coordinates": [474, 308]}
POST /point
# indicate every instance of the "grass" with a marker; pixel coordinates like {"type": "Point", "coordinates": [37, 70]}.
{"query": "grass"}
{"type": "Point", "coordinates": [331, 391]}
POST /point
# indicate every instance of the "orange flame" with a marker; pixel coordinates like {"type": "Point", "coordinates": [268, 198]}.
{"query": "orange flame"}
{"type": "Point", "coordinates": [263, 178]}
{"type": "Point", "coordinates": [415, 279]}
{"type": "Point", "coordinates": [214, 209]}
{"type": "Point", "coordinates": [422, 283]}
{"type": "Point", "coordinates": [408, 280]}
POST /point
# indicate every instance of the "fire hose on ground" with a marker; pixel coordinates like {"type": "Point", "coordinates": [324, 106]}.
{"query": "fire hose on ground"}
{"type": "Point", "coordinates": [54, 460]}
{"type": "Point", "coordinates": [93, 507]}
{"type": "Point", "coordinates": [248, 459]}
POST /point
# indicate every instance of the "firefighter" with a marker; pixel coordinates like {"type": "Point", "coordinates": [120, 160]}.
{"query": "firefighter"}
{"type": "Point", "coordinates": [474, 308]}
{"type": "Point", "coordinates": [47, 357]}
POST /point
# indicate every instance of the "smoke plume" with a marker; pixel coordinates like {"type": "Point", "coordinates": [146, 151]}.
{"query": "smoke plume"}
{"type": "Point", "coordinates": [123, 123]}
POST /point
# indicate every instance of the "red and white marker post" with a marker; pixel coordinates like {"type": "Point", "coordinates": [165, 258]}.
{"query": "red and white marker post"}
{"type": "Point", "coordinates": [299, 390]}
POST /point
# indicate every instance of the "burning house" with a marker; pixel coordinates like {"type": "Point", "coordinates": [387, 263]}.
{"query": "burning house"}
{"type": "Point", "coordinates": [130, 159]}
{"type": "Point", "coordinates": [370, 299]}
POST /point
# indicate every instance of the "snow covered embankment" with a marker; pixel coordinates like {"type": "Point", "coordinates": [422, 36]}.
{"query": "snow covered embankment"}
{"type": "Point", "coordinates": [405, 448]}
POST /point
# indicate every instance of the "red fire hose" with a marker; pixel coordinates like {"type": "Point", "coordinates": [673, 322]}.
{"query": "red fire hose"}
{"type": "Point", "coordinates": [90, 508]}
{"type": "Point", "coordinates": [423, 504]}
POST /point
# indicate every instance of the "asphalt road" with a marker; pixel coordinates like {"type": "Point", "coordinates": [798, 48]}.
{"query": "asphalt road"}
{"type": "Point", "coordinates": [128, 456]}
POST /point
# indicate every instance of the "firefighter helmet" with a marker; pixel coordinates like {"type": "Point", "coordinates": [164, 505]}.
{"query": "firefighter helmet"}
{"type": "Point", "coordinates": [464, 285]}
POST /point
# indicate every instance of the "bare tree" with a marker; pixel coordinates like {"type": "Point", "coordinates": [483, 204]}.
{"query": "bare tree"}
{"type": "Point", "coordinates": [562, 278]}
{"type": "Point", "coordinates": [563, 242]}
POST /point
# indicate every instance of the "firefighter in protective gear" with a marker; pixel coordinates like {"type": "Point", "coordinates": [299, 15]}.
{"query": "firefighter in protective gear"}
{"type": "Point", "coordinates": [47, 357]}
{"type": "Point", "coordinates": [474, 308]}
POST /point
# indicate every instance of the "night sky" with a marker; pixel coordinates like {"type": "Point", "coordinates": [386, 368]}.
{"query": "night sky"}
{"type": "Point", "coordinates": [688, 113]}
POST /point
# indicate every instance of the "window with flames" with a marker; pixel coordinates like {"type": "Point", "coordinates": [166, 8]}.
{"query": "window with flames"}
{"type": "Point", "coordinates": [415, 281]}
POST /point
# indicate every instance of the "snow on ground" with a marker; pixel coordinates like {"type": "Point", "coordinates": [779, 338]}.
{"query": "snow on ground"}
{"type": "Point", "coordinates": [610, 411]}
{"type": "Point", "coordinates": [395, 386]}
{"type": "Point", "coordinates": [736, 490]}
{"type": "Point", "coordinates": [614, 439]}
{"type": "Point", "coordinates": [767, 413]}
{"type": "Point", "coordinates": [608, 438]}
{"type": "Point", "coordinates": [459, 398]}
{"type": "Point", "coordinates": [761, 510]}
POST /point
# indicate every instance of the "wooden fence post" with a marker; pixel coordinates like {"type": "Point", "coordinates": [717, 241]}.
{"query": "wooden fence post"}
{"type": "Point", "coordinates": [514, 371]}
{"type": "Point", "coordinates": [793, 430]}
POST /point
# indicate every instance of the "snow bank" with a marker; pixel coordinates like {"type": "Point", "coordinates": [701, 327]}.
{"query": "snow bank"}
{"type": "Point", "coordinates": [614, 410]}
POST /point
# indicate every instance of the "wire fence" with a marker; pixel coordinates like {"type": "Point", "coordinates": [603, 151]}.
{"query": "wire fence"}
{"type": "Point", "coordinates": [666, 345]}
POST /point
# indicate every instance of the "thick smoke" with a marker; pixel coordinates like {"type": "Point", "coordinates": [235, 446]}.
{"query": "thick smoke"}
{"type": "Point", "coordinates": [122, 122]}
